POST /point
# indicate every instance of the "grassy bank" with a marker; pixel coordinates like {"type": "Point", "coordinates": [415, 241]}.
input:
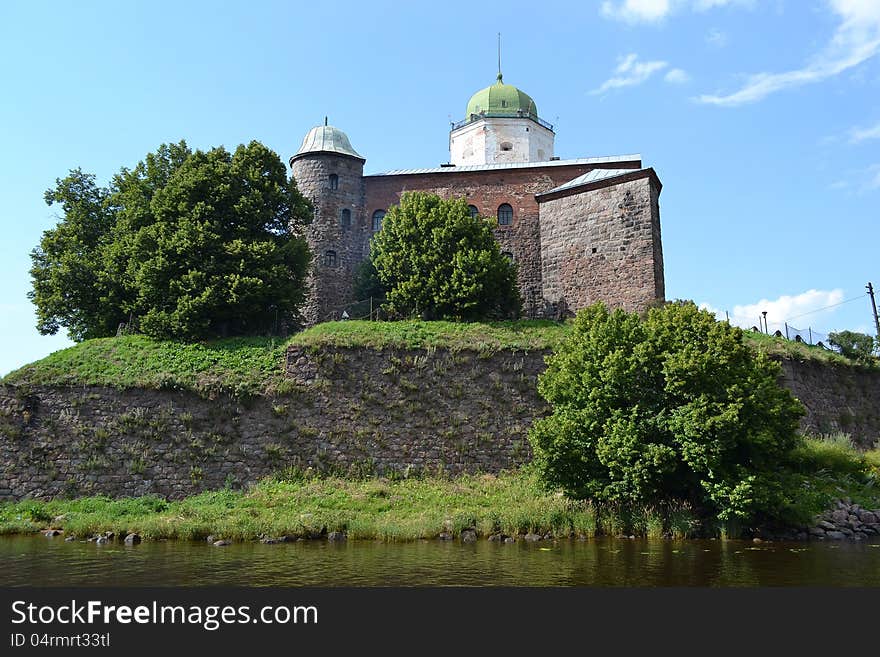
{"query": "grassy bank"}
{"type": "Point", "coordinates": [254, 365]}
{"type": "Point", "coordinates": [509, 504]}
{"type": "Point", "coordinates": [823, 469]}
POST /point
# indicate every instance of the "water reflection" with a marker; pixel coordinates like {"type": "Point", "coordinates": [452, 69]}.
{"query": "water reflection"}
{"type": "Point", "coordinates": [38, 561]}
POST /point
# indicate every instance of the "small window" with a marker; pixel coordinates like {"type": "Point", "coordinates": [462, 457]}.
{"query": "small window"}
{"type": "Point", "coordinates": [505, 215]}
{"type": "Point", "coordinates": [503, 103]}
{"type": "Point", "coordinates": [329, 258]}
{"type": "Point", "coordinates": [378, 216]}
{"type": "Point", "coordinates": [508, 255]}
{"type": "Point", "coordinates": [334, 181]}
{"type": "Point", "coordinates": [345, 219]}
{"type": "Point", "coordinates": [506, 146]}
{"type": "Point", "coordinates": [473, 210]}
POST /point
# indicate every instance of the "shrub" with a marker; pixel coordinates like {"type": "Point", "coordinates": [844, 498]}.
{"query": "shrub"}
{"type": "Point", "coordinates": [857, 346]}
{"type": "Point", "coordinates": [670, 406]}
{"type": "Point", "coordinates": [437, 261]}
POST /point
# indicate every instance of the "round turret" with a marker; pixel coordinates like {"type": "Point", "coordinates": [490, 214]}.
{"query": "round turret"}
{"type": "Point", "coordinates": [501, 125]}
{"type": "Point", "coordinates": [326, 139]}
{"type": "Point", "coordinates": [329, 172]}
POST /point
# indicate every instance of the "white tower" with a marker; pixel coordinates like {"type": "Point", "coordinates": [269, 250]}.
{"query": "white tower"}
{"type": "Point", "coordinates": [501, 124]}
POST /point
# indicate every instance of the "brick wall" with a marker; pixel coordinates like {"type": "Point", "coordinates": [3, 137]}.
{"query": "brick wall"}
{"type": "Point", "coordinates": [487, 190]}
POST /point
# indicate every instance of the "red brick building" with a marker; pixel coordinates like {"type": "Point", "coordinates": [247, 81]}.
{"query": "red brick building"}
{"type": "Point", "coordinates": [580, 230]}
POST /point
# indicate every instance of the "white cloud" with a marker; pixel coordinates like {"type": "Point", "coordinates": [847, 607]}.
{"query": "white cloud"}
{"type": "Point", "coordinates": [630, 72]}
{"type": "Point", "coordinates": [798, 310]}
{"type": "Point", "coordinates": [856, 40]}
{"type": "Point", "coordinates": [858, 181]}
{"type": "Point", "coordinates": [637, 11]}
{"type": "Point", "coordinates": [874, 177]}
{"type": "Point", "coordinates": [677, 76]}
{"type": "Point", "coordinates": [716, 38]}
{"type": "Point", "coordinates": [653, 11]}
{"type": "Point", "coordinates": [861, 134]}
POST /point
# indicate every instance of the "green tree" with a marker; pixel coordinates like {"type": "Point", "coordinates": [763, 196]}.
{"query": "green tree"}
{"type": "Point", "coordinates": [858, 346]}
{"type": "Point", "coordinates": [189, 244]}
{"type": "Point", "coordinates": [672, 406]}
{"type": "Point", "coordinates": [437, 261]}
{"type": "Point", "coordinates": [70, 286]}
{"type": "Point", "coordinates": [367, 283]}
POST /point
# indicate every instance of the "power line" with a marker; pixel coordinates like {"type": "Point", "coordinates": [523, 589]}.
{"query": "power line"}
{"type": "Point", "coordinates": [833, 305]}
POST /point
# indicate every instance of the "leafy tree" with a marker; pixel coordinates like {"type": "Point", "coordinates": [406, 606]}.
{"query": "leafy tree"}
{"type": "Point", "coordinates": [188, 244]}
{"type": "Point", "coordinates": [437, 261]}
{"type": "Point", "coordinates": [857, 346]}
{"type": "Point", "coordinates": [672, 406]}
{"type": "Point", "coordinates": [367, 283]}
{"type": "Point", "coordinates": [70, 285]}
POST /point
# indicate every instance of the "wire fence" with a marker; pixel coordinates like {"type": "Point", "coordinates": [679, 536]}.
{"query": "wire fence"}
{"type": "Point", "coordinates": [790, 332]}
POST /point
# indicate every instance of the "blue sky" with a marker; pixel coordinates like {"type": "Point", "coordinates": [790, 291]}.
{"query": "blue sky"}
{"type": "Point", "coordinates": [762, 119]}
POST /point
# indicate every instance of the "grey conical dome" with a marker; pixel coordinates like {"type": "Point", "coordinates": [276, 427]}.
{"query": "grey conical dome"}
{"type": "Point", "coordinates": [326, 139]}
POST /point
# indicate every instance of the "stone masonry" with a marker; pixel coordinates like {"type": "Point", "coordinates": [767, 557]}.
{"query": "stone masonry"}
{"type": "Point", "coordinates": [348, 410]}
{"type": "Point", "coordinates": [603, 244]}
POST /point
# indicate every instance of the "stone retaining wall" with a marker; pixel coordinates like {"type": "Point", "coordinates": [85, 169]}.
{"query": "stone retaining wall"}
{"type": "Point", "coordinates": [361, 410]}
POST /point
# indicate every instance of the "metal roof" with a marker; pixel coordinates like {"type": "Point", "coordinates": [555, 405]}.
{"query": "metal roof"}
{"type": "Point", "coordinates": [590, 177]}
{"type": "Point", "coordinates": [515, 165]}
{"type": "Point", "coordinates": [326, 139]}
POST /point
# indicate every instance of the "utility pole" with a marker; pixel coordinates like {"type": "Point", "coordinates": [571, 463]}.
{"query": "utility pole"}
{"type": "Point", "coordinates": [874, 308]}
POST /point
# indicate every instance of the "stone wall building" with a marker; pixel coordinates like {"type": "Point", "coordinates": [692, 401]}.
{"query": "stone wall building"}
{"type": "Point", "coordinates": [580, 230]}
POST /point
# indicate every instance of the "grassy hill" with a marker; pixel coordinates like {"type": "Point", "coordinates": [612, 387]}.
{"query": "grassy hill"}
{"type": "Point", "coordinates": [254, 365]}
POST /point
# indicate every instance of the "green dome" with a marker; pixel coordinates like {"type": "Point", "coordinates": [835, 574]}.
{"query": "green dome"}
{"type": "Point", "coordinates": [501, 100]}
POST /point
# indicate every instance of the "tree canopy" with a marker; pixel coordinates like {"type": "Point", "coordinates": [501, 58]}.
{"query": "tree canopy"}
{"type": "Point", "coordinates": [187, 244]}
{"type": "Point", "coordinates": [437, 261]}
{"type": "Point", "coordinates": [670, 406]}
{"type": "Point", "coordinates": [854, 345]}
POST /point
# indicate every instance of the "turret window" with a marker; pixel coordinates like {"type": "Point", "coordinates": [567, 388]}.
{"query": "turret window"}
{"type": "Point", "coordinates": [334, 181]}
{"type": "Point", "coordinates": [378, 216]}
{"type": "Point", "coordinates": [473, 210]}
{"type": "Point", "coordinates": [329, 258]}
{"type": "Point", "coordinates": [505, 215]}
{"type": "Point", "coordinates": [345, 219]}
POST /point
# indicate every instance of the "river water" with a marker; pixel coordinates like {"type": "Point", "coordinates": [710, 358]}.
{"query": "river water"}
{"type": "Point", "coordinates": [40, 561]}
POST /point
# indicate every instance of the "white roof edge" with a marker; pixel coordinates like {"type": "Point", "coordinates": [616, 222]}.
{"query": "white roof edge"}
{"type": "Point", "coordinates": [512, 165]}
{"type": "Point", "coordinates": [596, 175]}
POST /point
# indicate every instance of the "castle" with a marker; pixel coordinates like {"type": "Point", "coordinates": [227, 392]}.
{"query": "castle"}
{"type": "Point", "coordinates": [580, 230]}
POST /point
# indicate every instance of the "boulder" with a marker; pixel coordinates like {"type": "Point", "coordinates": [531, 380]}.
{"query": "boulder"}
{"type": "Point", "coordinates": [221, 543]}
{"type": "Point", "coordinates": [132, 539]}
{"type": "Point", "coordinates": [468, 536]}
{"type": "Point", "coordinates": [336, 536]}
{"type": "Point", "coordinates": [532, 537]}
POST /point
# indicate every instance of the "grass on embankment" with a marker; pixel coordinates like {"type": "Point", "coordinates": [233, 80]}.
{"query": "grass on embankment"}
{"type": "Point", "coordinates": [254, 365]}
{"type": "Point", "coordinates": [823, 469]}
{"type": "Point", "coordinates": [511, 504]}
{"type": "Point", "coordinates": [782, 348]}
{"type": "Point", "coordinates": [251, 366]}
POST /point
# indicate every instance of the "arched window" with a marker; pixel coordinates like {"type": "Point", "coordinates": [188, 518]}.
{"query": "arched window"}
{"type": "Point", "coordinates": [473, 210]}
{"type": "Point", "coordinates": [329, 258]}
{"type": "Point", "coordinates": [378, 216]}
{"type": "Point", "coordinates": [345, 219]}
{"type": "Point", "coordinates": [334, 181]}
{"type": "Point", "coordinates": [505, 215]}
